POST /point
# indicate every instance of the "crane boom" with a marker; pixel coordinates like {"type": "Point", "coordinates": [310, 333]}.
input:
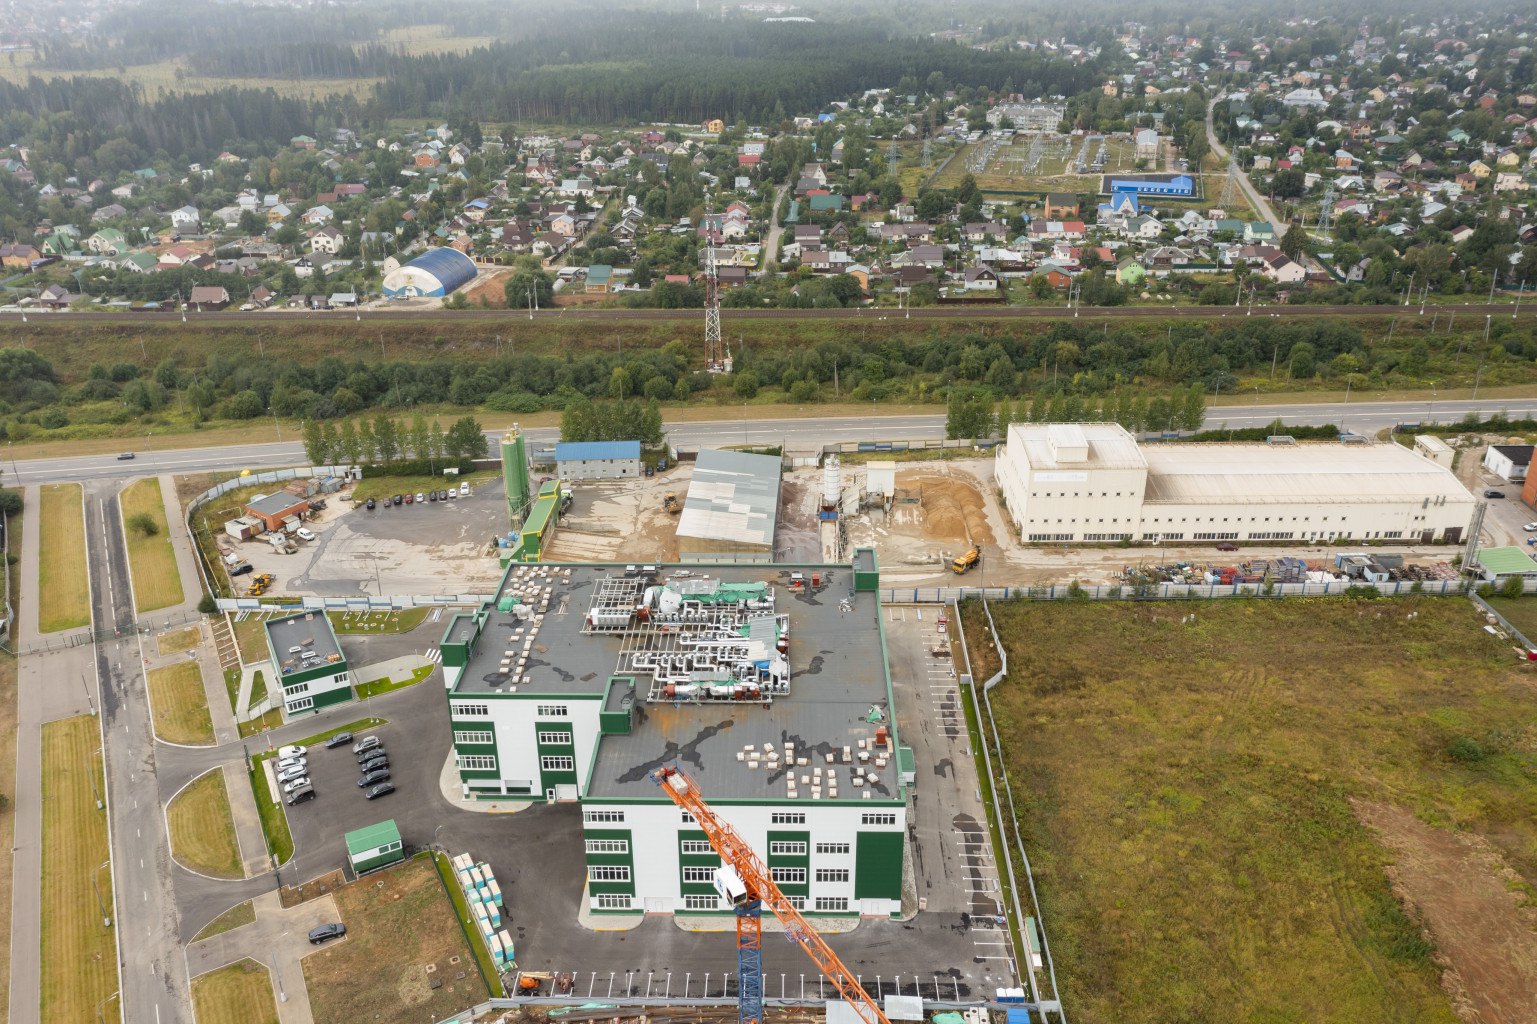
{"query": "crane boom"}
{"type": "Point", "coordinates": [748, 883]}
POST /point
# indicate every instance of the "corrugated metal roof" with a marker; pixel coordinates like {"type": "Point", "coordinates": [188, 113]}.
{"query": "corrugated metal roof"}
{"type": "Point", "coordinates": [1294, 473]}
{"type": "Point", "coordinates": [576, 451]}
{"type": "Point", "coordinates": [371, 837]}
{"type": "Point", "coordinates": [451, 267]}
{"type": "Point", "coordinates": [733, 496]}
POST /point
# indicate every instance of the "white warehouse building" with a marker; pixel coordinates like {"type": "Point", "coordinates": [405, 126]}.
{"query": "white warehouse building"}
{"type": "Point", "coordinates": [1092, 482]}
{"type": "Point", "coordinates": [579, 680]}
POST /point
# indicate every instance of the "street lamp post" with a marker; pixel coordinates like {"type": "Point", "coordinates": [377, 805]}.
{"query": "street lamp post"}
{"type": "Point", "coordinates": [106, 918]}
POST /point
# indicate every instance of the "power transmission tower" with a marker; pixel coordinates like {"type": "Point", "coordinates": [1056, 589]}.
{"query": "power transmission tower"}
{"type": "Point", "coordinates": [928, 154]}
{"type": "Point", "coordinates": [893, 157]}
{"type": "Point", "coordinates": [1326, 209]}
{"type": "Point", "coordinates": [1230, 191]}
{"type": "Point", "coordinates": [715, 358]}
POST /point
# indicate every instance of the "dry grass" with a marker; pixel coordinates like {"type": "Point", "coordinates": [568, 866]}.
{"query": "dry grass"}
{"type": "Point", "coordinates": [238, 916]}
{"type": "Point", "coordinates": [64, 591]}
{"type": "Point", "coordinates": [156, 580]}
{"type": "Point", "coordinates": [398, 921]}
{"type": "Point", "coordinates": [162, 76]}
{"type": "Point", "coordinates": [238, 994]}
{"type": "Point", "coordinates": [203, 829]}
{"type": "Point", "coordinates": [415, 40]}
{"type": "Point", "coordinates": [1186, 796]}
{"type": "Point", "coordinates": [180, 640]}
{"type": "Point", "coordinates": [180, 704]}
{"type": "Point", "coordinates": [79, 955]}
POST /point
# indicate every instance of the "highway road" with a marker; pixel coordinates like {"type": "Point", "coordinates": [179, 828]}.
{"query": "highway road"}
{"type": "Point", "coordinates": [1358, 417]}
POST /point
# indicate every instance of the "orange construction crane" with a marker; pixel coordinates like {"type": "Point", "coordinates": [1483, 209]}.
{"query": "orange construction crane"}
{"type": "Point", "coordinates": [744, 880]}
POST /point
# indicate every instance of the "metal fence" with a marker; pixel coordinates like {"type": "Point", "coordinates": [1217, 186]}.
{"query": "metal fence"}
{"type": "Point", "coordinates": [391, 602]}
{"type": "Point", "coordinates": [96, 635]}
{"type": "Point", "coordinates": [1175, 591]}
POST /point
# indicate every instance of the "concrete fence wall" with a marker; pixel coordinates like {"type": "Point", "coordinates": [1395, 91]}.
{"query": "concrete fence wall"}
{"type": "Point", "coordinates": [1174, 591]}
{"type": "Point", "coordinates": [393, 602]}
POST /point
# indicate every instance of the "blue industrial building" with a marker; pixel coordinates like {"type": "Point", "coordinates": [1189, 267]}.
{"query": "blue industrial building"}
{"type": "Point", "coordinates": [434, 274]}
{"type": "Point", "coordinates": [1181, 186]}
{"type": "Point", "coordinates": [597, 460]}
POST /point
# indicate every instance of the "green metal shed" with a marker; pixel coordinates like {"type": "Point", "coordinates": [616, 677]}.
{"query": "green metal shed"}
{"type": "Point", "coordinates": [374, 846]}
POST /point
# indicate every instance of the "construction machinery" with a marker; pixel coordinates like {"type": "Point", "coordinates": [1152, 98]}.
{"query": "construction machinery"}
{"type": "Point", "coordinates": [964, 563]}
{"type": "Point", "coordinates": [744, 880]}
{"type": "Point", "coordinates": [671, 503]}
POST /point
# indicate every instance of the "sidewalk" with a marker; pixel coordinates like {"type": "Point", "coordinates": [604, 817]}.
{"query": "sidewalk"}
{"type": "Point", "coordinates": [248, 822]}
{"type": "Point", "coordinates": [29, 565]}
{"type": "Point", "coordinates": [279, 939]}
{"type": "Point", "coordinates": [181, 543]}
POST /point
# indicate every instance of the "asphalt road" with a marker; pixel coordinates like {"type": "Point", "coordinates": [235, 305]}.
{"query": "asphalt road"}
{"type": "Point", "coordinates": [153, 972]}
{"type": "Point", "coordinates": [1361, 417]}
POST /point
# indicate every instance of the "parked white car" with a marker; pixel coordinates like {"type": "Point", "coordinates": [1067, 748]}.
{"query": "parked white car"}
{"type": "Point", "coordinates": [299, 783]}
{"type": "Point", "coordinates": [464, 490]}
{"type": "Point", "coordinates": [304, 533]}
{"type": "Point", "coordinates": [293, 750]}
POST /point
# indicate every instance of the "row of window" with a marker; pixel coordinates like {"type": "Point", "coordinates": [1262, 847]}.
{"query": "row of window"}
{"type": "Point", "coordinates": [1037, 537]}
{"type": "Point", "coordinates": [1107, 536]}
{"type": "Point", "coordinates": [608, 873]}
{"type": "Point", "coordinates": [463, 709]}
{"type": "Point", "coordinates": [623, 901]}
{"type": "Point", "coordinates": [788, 876]}
{"type": "Point", "coordinates": [557, 764]}
{"type": "Point", "coordinates": [553, 711]}
{"type": "Point", "coordinates": [595, 816]}
{"type": "Point", "coordinates": [608, 846]}
{"type": "Point", "coordinates": [477, 762]}
{"type": "Point", "coordinates": [302, 704]}
{"type": "Point", "coordinates": [474, 736]}
{"type": "Point", "coordinates": [550, 738]}
{"type": "Point", "coordinates": [1215, 536]}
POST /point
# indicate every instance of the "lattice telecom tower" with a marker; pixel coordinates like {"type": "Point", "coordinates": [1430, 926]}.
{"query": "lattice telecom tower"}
{"type": "Point", "coordinates": [714, 351]}
{"type": "Point", "coordinates": [1230, 191]}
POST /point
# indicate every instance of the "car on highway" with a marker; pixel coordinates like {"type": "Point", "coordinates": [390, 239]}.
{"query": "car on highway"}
{"type": "Point", "coordinates": [365, 744]}
{"type": "Point", "coordinates": [294, 785]}
{"type": "Point", "coordinates": [370, 505]}
{"type": "Point", "coordinates": [1494, 494]}
{"type": "Point", "coordinates": [341, 739]}
{"type": "Point", "coordinates": [382, 789]}
{"type": "Point", "coordinates": [374, 777]}
{"type": "Point", "coordinates": [125, 456]}
{"type": "Point", "coordinates": [327, 932]}
{"type": "Point", "coordinates": [298, 771]}
{"type": "Point", "coordinates": [292, 750]}
{"type": "Point", "coordinates": [304, 533]}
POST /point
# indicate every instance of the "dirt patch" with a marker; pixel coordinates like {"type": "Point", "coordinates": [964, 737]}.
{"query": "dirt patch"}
{"type": "Point", "coordinates": [621, 520]}
{"type": "Point", "coordinates": [1461, 890]}
{"type": "Point", "coordinates": [291, 896]}
{"type": "Point", "coordinates": [490, 288]}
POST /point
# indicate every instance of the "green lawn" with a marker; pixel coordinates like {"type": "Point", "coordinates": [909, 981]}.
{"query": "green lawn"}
{"type": "Point", "coordinates": [270, 719]}
{"type": "Point", "coordinates": [63, 588]}
{"type": "Point", "coordinates": [78, 952]}
{"type": "Point", "coordinates": [180, 704]}
{"type": "Point", "coordinates": [179, 640]}
{"type": "Point", "coordinates": [1520, 612]}
{"type": "Point", "coordinates": [156, 581]}
{"type": "Point", "coordinates": [240, 993]}
{"type": "Point", "coordinates": [203, 828]}
{"type": "Point", "coordinates": [1186, 796]}
{"type": "Point", "coordinates": [280, 841]}
{"type": "Point", "coordinates": [362, 623]}
{"type": "Point", "coordinates": [235, 917]}
{"type": "Point", "coordinates": [385, 685]}
{"type": "Point", "coordinates": [359, 726]}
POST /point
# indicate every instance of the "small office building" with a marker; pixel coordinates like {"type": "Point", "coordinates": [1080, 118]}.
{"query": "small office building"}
{"type": "Point", "coordinates": [311, 671]}
{"type": "Point", "coordinates": [374, 846]}
{"type": "Point", "coordinates": [278, 511]}
{"type": "Point", "coordinates": [597, 460]}
{"type": "Point", "coordinates": [1508, 461]}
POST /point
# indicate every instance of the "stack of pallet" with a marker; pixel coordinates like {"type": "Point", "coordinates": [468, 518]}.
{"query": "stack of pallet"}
{"type": "Point", "coordinates": [484, 898]}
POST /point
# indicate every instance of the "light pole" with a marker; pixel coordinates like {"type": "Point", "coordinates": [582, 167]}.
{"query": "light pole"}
{"type": "Point", "coordinates": [10, 447]}
{"type": "Point", "coordinates": [92, 776]}
{"type": "Point", "coordinates": [106, 918]}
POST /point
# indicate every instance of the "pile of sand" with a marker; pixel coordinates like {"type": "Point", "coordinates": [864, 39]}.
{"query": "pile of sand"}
{"type": "Point", "coordinates": [952, 508]}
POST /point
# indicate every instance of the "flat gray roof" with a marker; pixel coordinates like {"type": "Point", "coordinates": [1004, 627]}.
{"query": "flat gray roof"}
{"type": "Point", "coordinates": [732, 496]}
{"type": "Point", "coordinates": [310, 630]}
{"type": "Point", "coordinates": [837, 675]}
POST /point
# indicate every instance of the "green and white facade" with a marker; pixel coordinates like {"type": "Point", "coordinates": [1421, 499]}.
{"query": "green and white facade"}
{"type": "Point", "coordinates": [311, 672]}
{"type": "Point", "coordinates": [576, 716]}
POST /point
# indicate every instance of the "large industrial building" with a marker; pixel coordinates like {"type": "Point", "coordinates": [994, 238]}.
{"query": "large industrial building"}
{"type": "Point", "coordinates": [434, 274]}
{"type": "Point", "coordinates": [1092, 482]}
{"type": "Point", "coordinates": [731, 508]}
{"type": "Point", "coordinates": [768, 684]}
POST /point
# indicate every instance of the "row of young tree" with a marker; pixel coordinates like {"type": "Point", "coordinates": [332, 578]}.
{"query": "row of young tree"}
{"type": "Point", "coordinates": [386, 442]}
{"type": "Point", "coordinates": [975, 414]}
{"type": "Point", "coordinates": [619, 420]}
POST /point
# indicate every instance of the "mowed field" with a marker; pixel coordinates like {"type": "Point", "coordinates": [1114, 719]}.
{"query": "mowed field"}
{"type": "Point", "coordinates": [203, 829]}
{"type": "Point", "coordinates": [1193, 794]}
{"type": "Point", "coordinates": [180, 704]}
{"type": "Point", "coordinates": [63, 589]}
{"type": "Point", "coordinates": [79, 954]}
{"type": "Point", "coordinates": [156, 582]}
{"type": "Point", "coordinates": [238, 994]}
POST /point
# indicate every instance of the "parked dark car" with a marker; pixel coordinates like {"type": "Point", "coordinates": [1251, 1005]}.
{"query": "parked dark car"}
{"type": "Point", "coordinates": [373, 778]}
{"type": "Point", "coordinates": [432, 495]}
{"type": "Point", "coordinates": [326, 932]}
{"type": "Point", "coordinates": [396, 500]}
{"type": "Point", "coordinates": [376, 759]}
{"type": "Point", "coordinates": [443, 495]}
{"type": "Point", "coordinates": [1494, 494]}
{"type": "Point", "coordinates": [370, 505]}
{"type": "Point", "coordinates": [242, 569]}
{"type": "Point", "coordinates": [341, 739]}
{"type": "Point", "coordinates": [382, 789]}
{"type": "Point", "coordinates": [1227, 545]}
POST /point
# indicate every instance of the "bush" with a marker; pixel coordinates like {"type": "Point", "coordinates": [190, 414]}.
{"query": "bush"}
{"type": "Point", "coordinates": [143, 524]}
{"type": "Point", "coordinates": [1465, 750]}
{"type": "Point", "coordinates": [1512, 587]}
{"type": "Point", "coordinates": [208, 606]}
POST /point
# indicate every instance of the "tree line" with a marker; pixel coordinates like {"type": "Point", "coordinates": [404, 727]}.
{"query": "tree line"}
{"type": "Point", "coordinates": [973, 414]}
{"type": "Point", "coordinates": [385, 442]}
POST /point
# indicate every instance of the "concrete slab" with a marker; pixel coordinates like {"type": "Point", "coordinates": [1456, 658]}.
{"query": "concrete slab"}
{"type": "Point", "coordinates": [279, 939]}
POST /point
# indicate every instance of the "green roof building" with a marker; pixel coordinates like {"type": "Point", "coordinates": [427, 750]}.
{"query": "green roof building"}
{"type": "Point", "coordinates": [374, 846]}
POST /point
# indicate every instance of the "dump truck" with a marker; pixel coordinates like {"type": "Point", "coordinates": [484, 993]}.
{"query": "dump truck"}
{"type": "Point", "coordinates": [966, 562]}
{"type": "Point", "coordinates": [671, 503]}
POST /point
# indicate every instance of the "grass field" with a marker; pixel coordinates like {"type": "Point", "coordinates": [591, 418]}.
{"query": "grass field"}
{"type": "Point", "coordinates": [250, 637]}
{"type": "Point", "coordinates": [156, 581]}
{"type": "Point", "coordinates": [280, 841]}
{"type": "Point", "coordinates": [181, 706]}
{"type": "Point", "coordinates": [1188, 798]}
{"type": "Point", "coordinates": [270, 720]}
{"type": "Point", "coordinates": [1520, 612]}
{"type": "Point", "coordinates": [240, 993]}
{"type": "Point", "coordinates": [7, 818]}
{"type": "Point", "coordinates": [398, 921]}
{"type": "Point", "coordinates": [79, 954]}
{"type": "Point", "coordinates": [237, 916]}
{"type": "Point", "coordinates": [64, 600]}
{"type": "Point", "coordinates": [349, 624]}
{"type": "Point", "coordinates": [203, 829]}
{"type": "Point", "coordinates": [180, 640]}
{"type": "Point", "coordinates": [172, 76]}
{"type": "Point", "coordinates": [377, 686]}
